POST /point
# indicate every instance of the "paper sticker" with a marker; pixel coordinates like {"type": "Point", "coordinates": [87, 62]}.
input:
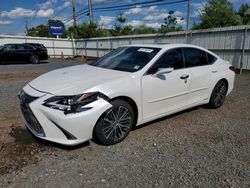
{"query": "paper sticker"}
{"type": "Point", "coordinates": [147, 50]}
{"type": "Point", "coordinates": [136, 67]}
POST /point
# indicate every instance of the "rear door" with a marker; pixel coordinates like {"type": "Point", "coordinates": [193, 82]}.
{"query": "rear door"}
{"type": "Point", "coordinates": [21, 53]}
{"type": "Point", "coordinates": [201, 74]}
{"type": "Point", "coordinates": [30, 50]}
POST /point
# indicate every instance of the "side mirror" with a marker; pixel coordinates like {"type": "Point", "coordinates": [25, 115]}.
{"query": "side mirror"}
{"type": "Point", "coordinates": [163, 71]}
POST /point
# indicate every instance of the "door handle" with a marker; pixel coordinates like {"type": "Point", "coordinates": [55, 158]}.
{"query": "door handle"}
{"type": "Point", "coordinates": [184, 77]}
{"type": "Point", "coordinates": [214, 71]}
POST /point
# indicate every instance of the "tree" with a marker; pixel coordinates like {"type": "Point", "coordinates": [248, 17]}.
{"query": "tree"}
{"type": "Point", "coordinates": [144, 30]}
{"type": "Point", "coordinates": [121, 18]}
{"type": "Point", "coordinates": [120, 28]}
{"type": "Point", "coordinates": [218, 13]}
{"type": "Point", "coordinates": [244, 13]}
{"type": "Point", "coordinates": [170, 23]}
{"type": "Point", "coordinates": [87, 30]}
{"type": "Point", "coordinates": [39, 31]}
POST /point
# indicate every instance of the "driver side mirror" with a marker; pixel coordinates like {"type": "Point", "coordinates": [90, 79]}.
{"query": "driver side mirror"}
{"type": "Point", "coordinates": [161, 71]}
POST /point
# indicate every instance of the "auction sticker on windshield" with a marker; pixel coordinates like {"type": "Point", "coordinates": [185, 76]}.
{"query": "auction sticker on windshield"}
{"type": "Point", "coordinates": [147, 50]}
{"type": "Point", "coordinates": [136, 67]}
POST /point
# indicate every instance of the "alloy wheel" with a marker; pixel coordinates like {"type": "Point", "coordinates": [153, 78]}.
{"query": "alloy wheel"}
{"type": "Point", "coordinates": [117, 123]}
{"type": "Point", "coordinates": [34, 59]}
{"type": "Point", "coordinates": [219, 94]}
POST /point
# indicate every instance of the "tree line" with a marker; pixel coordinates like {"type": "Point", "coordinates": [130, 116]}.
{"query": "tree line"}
{"type": "Point", "coordinates": [215, 13]}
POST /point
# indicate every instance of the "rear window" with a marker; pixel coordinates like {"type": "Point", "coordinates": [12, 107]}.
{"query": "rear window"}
{"type": "Point", "coordinates": [210, 58]}
{"type": "Point", "coordinates": [195, 57]}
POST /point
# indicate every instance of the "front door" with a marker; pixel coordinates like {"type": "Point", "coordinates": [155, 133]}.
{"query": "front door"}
{"type": "Point", "coordinates": [9, 50]}
{"type": "Point", "coordinates": [168, 92]}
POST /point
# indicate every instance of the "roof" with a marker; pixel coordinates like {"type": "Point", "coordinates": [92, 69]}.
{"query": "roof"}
{"type": "Point", "coordinates": [166, 45]}
{"type": "Point", "coordinates": [172, 45]}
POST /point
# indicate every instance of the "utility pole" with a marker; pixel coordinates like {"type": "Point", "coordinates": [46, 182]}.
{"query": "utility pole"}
{"type": "Point", "coordinates": [90, 12]}
{"type": "Point", "coordinates": [188, 15]}
{"type": "Point", "coordinates": [74, 12]}
{"type": "Point", "coordinates": [26, 27]}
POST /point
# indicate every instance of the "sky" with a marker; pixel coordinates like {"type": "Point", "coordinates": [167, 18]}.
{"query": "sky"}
{"type": "Point", "coordinates": [14, 14]}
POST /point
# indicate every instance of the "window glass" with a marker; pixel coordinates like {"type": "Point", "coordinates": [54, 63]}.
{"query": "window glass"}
{"type": "Point", "coordinates": [19, 47]}
{"type": "Point", "coordinates": [9, 47]}
{"type": "Point", "coordinates": [195, 57]}
{"type": "Point", "coordinates": [28, 47]}
{"type": "Point", "coordinates": [129, 59]}
{"type": "Point", "coordinates": [211, 59]}
{"type": "Point", "coordinates": [172, 58]}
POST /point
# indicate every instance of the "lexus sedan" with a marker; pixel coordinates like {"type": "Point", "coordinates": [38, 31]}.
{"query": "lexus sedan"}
{"type": "Point", "coordinates": [22, 53]}
{"type": "Point", "coordinates": [127, 87]}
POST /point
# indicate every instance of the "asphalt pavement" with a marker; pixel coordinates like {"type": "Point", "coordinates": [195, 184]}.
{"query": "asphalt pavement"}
{"type": "Point", "coordinates": [45, 66]}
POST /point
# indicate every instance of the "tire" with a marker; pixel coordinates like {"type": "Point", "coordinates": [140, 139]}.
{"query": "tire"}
{"type": "Point", "coordinates": [34, 59]}
{"type": "Point", "coordinates": [218, 95]}
{"type": "Point", "coordinates": [115, 124]}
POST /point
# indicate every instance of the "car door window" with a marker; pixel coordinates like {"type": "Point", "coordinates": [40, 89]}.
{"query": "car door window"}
{"type": "Point", "coordinates": [195, 57]}
{"type": "Point", "coordinates": [171, 59]}
{"type": "Point", "coordinates": [210, 58]}
{"type": "Point", "coordinates": [28, 47]}
{"type": "Point", "coordinates": [9, 47]}
{"type": "Point", "coordinates": [20, 47]}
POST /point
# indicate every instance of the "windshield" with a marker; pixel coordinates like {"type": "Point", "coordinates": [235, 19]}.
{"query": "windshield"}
{"type": "Point", "coordinates": [129, 59]}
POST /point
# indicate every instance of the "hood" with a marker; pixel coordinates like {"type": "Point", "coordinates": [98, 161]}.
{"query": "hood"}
{"type": "Point", "coordinates": [74, 80]}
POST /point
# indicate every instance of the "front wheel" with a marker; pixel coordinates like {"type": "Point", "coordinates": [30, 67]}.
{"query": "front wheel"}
{"type": "Point", "coordinates": [115, 124]}
{"type": "Point", "coordinates": [218, 95]}
{"type": "Point", "coordinates": [34, 59]}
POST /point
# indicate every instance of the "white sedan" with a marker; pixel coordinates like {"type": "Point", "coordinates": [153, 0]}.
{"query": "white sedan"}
{"type": "Point", "coordinates": [127, 87]}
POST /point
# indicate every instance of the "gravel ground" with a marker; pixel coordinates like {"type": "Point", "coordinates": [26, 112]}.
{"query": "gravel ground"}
{"type": "Point", "coordinates": [200, 147]}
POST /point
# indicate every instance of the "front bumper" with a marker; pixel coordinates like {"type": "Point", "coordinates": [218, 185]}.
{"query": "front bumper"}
{"type": "Point", "coordinates": [53, 125]}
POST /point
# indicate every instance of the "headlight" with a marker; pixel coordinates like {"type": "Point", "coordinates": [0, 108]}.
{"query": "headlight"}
{"type": "Point", "coordinates": [75, 103]}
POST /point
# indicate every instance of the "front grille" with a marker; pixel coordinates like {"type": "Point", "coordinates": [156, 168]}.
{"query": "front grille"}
{"type": "Point", "coordinates": [28, 115]}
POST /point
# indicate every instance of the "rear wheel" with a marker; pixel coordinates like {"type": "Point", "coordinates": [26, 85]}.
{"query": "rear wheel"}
{"type": "Point", "coordinates": [218, 95]}
{"type": "Point", "coordinates": [115, 124]}
{"type": "Point", "coordinates": [34, 59]}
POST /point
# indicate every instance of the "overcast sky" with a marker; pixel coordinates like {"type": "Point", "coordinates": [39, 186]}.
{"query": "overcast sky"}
{"type": "Point", "coordinates": [14, 13]}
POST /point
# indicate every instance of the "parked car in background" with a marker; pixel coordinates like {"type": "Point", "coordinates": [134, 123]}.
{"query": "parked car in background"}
{"type": "Point", "coordinates": [127, 87]}
{"type": "Point", "coordinates": [22, 53]}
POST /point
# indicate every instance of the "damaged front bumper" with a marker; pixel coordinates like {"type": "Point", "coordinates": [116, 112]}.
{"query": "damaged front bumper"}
{"type": "Point", "coordinates": [56, 126]}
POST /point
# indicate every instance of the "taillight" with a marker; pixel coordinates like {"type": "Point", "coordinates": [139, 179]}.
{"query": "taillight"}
{"type": "Point", "coordinates": [232, 68]}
